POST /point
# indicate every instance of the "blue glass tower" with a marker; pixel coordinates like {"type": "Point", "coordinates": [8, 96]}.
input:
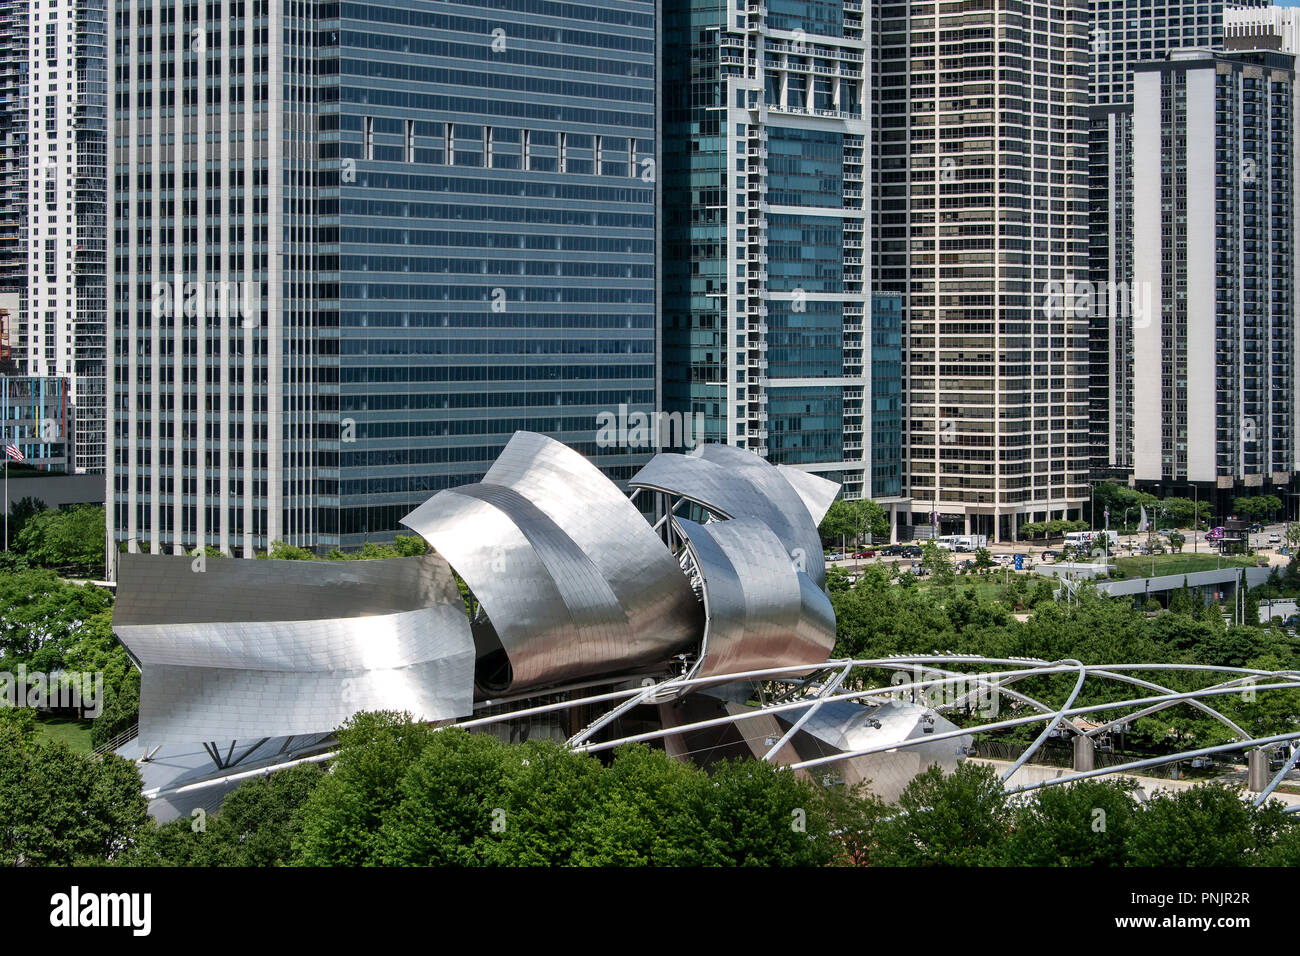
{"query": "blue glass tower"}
{"type": "Point", "coordinates": [408, 229]}
{"type": "Point", "coordinates": [768, 326]}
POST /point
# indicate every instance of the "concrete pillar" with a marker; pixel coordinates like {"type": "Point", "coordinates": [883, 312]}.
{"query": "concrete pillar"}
{"type": "Point", "coordinates": [1085, 753]}
{"type": "Point", "coordinates": [1256, 770]}
{"type": "Point", "coordinates": [967, 531]}
{"type": "Point", "coordinates": [893, 524]}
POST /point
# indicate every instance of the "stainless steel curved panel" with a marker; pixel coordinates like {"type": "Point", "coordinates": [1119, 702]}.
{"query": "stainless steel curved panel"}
{"type": "Point", "coordinates": [817, 492]}
{"type": "Point", "coordinates": [571, 576]}
{"type": "Point", "coordinates": [761, 610]}
{"type": "Point", "coordinates": [167, 589]}
{"type": "Point", "coordinates": [734, 483]}
{"type": "Point", "coordinates": [226, 654]}
{"type": "Point", "coordinates": [609, 529]}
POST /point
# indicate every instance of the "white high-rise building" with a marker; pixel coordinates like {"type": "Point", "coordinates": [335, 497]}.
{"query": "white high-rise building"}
{"type": "Point", "coordinates": [62, 329]}
{"type": "Point", "coordinates": [1215, 239]}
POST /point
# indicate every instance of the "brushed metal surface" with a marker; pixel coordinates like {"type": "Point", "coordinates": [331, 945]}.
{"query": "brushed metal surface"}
{"type": "Point", "coordinates": [760, 609]}
{"type": "Point", "coordinates": [734, 483]}
{"type": "Point", "coordinates": [568, 571]}
{"type": "Point", "coordinates": [248, 649]}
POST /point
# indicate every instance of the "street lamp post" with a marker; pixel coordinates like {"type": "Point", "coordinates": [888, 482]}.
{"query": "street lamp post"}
{"type": "Point", "coordinates": [1196, 516]}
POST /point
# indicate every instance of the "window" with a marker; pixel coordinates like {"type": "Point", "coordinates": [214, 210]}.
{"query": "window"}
{"type": "Point", "coordinates": [368, 142]}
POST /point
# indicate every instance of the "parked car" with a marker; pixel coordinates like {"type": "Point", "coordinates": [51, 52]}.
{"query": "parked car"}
{"type": "Point", "coordinates": [913, 551]}
{"type": "Point", "coordinates": [893, 550]}
{"type": "Point", "coordinates": [835, 556]}
{"type": "Point", "coordinates": [1274, 539]}
{"type": "Point", "coordinates": [864, 554]}
{"type": "Point", "coordinates": [1165, 531]}
{"type": "Point", "coordinates": [1050, 555]}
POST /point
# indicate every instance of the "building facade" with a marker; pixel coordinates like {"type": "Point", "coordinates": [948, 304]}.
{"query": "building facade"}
{"type": "Point", "coordinates": [769, 330]}
{"type": "Point", "coordinates": [1251, 26]}
{"type": "Point", "coordinates": [1124, 35]}
{"type": "Point", "coordinates": [1215, 239]}
{"type": "Point", "coordinates": [980, 130]}
{"type": "Point", "coordinates": [53, 215]}
{"type": "Point", "coordinates": [357, 246]}
{"type": "Point", "coordinates": [35, 416]}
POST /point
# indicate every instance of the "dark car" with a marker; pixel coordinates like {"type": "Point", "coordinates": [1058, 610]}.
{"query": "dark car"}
{"type": "Point", "coordinates": [913, 551]}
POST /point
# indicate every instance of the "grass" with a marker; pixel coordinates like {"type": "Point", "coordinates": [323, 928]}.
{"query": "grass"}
{"type": "Point", "coordinates": [74, 733]}
{"type": "Point", "coordinates": [1139, 566]}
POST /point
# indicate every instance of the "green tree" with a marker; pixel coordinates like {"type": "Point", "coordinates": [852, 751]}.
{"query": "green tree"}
{"type": "Point", "coordinates": [1208, 825]}
{"type": "Point", "coordinates": [850, 520]}
{"type": "Point", "coordinates": [23, 510]}
{"type": "Point", "coordinates": [254, 827]}
{"type": "Point", "coordinates": [288, 552]}
{"type": "Point", "coordinates": [752, 813]}
{"type": "Point", "coordinates": [938, 562]}
{"type": "Point", "coordinates": [1082, 824]}
{"type": "Point", "coordinates": [957, 820]}
{"type": "Point", "coordinates": [983, 560]}
{"type": "Point", "coordinates": [449, 800]}
{"type": "Point", "coordinates": [58, 808]}
{"type": "Point", "coordinates": [1181, 512]}
{"type": "Point", "coordinates": [70, 540]}
{"type": "Point", "coordinates": [342, 817]}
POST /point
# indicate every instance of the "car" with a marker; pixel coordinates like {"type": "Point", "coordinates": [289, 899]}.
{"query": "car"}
{"type": "Point", "coordinates": [1050, 555]}
{"type": "Point", "coordinates": [1165, 531]}
{"type": "Point", "coordinates": [893, 551]}
{"type": "Point", "coordinates": [1274, 539]}
{"type": "Point", "coordinates": [864, 554]}
{"type": "Point", "coordinates": [835, 556]}
{"type": "Point", "coordinates": [1256, 528]}
{"type": "Point", "coordinates": [913, 551]}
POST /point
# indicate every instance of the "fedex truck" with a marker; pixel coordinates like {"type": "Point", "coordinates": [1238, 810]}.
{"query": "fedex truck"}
{"type": "Point", "coordinates": [1091, 540]}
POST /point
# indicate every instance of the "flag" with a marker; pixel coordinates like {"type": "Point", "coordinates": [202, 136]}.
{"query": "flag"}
{"type": "Point", "coordinates": [12, 451]}
{"type": "Point", "coordinates": [1142, 525]}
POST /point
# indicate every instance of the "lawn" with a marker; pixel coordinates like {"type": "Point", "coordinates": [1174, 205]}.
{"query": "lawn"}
{"type": "Point", "coordinates": [1140, 566]}
{"type": "Point", "coordinates": [74, 733]}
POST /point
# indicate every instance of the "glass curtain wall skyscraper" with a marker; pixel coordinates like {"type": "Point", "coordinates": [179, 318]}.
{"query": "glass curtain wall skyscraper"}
{"type": "Point", "coordinates": [981, 135]}
{"type": "Point", "coordinates": [357, 245]}
{"type": "Point", "coordinates": [768, 328]}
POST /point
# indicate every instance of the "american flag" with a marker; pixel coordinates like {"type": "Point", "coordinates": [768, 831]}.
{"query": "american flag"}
{"type": "Point", "coordinates": [12, 451]}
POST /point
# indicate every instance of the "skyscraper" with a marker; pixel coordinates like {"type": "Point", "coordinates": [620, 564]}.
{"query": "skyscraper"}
{"type": "Point", "coordinates": [981, 135]}
{"type": "Point", "coordinates": [1124, 35]}
{"type": "Point", "coordinates": [1215, 239]}
{"type": "Point", "coordinates": [768, 320]}
{"type": "Point", "coordinates": [53, 238]}
{"type": "Point", "coordinates": [358, 245]}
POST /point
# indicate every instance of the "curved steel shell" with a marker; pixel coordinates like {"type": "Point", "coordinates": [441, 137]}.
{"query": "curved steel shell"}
{"type": "Point", "coordinates": [231, 649]}
{"type": "Point", "coordinates": [817, 492]}
{"type": "Point", "coordinates": [571, 576]}
{"type": "Point", "coordinates": [760, 610]}
{"type": "Point", "coordinates": [734, 483]}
